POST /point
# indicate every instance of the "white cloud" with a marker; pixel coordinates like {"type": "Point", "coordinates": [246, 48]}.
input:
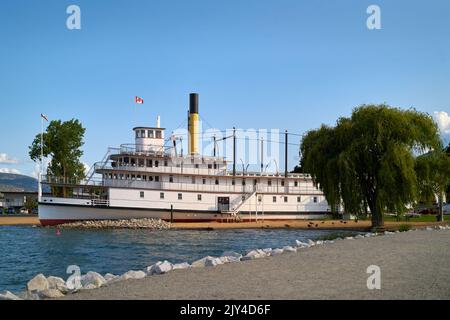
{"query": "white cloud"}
{"type": "Point", "coordinates": [9, 170]}
{"type": "Point", "coordinates": [6, 159]}
{"type": "Point", "coordinates": [443, 121]}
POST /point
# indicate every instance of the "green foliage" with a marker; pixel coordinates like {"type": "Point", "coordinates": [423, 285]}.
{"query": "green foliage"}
{"type": "Point", "coordinates": [433, 172]}
{"type": "Point", "coordinates": [30, 204]}
{"type": "Point", "coordinates": [367, 160]}
{"type": "Point", "coordinates": [62, 142]}
{"type": "Point", "coordinates": [404, 227]}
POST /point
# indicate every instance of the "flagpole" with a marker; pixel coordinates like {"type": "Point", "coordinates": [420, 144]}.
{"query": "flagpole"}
{"type": "Point", "coordinates": [42, 161]}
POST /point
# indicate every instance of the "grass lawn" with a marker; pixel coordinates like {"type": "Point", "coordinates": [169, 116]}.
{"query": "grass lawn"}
{"type": "Point", "coordinates": [423, 218]}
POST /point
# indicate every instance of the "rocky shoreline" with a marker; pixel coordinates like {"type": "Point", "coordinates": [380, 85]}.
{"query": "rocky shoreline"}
{"type": "Point", "coordinates": [41, 287]}
{"type": "Point", "coordinates": [145, 223]}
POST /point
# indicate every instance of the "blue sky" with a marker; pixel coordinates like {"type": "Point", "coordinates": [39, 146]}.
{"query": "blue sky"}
{"type": "Point", "coordinates": [288, 64]}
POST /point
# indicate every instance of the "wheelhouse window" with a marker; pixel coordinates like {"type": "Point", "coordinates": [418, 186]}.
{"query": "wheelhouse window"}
{"type": "Point", "coordinates": [209, 166]}
{"type": "Point", "coordinates": [215, 165]}
{"type": "Point", "coordinates": [142, 133]}
{"type": "Point", "coordinates": [274, 199]}
{"type": "Point", "coordinates": [149, 163]}
{"type": "Point", "coordinates": [141, 194]}
{"type": "Point", "coordinates": [141, 162]}
{"type": "Point", "coordinates": [158, 134]}
{"type": "Point", "coordinates": [285, 199]}
{"type": "Point", "coordinates": [299, 199]}
{"type": "Point", "coordinates": [165, 163]}
{"type": "Point", "coordinates": [199, 197]}
{"type": "Point", "coordinates": [150, 133]}
{"type": "Point", "coordinates": [161, 195]}
{"type": "Point", "coordinates": [180, 196]}
{"type": "Point", "coordinates": [156, 163]}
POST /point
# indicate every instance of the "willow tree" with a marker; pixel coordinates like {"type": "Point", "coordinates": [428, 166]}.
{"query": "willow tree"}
{"type": "Point", "coordinates": [62, 143]}
{"type": "Point", "coordinates": [433, 172]}
{"type": "Point", "coordinates": [367, 160]}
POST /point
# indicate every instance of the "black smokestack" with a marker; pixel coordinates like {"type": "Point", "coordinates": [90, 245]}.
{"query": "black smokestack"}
{"type": "Point", "coordinates": [193, 103]}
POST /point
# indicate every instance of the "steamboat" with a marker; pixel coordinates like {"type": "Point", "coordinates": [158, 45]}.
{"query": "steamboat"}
{"type": "Point", "coordinates": [148, 179]}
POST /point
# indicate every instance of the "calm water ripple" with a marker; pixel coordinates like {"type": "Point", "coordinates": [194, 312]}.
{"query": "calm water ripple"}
{"type": "Point", "coordinates": [26, 251]}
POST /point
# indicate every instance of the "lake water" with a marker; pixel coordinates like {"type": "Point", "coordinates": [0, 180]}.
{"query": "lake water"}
{"type": "Point", "coordinates": [26, 251]}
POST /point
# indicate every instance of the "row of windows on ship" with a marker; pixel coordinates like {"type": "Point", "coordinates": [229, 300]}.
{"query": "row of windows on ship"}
{"type": "Point", "coordinates": [139, 177]}
{"type": "Point", "coordinates": [149, 134]}
{"type": "Point", "coordinates": [199, 197]}
{"type": "Point", "coordinates": [139, 162]}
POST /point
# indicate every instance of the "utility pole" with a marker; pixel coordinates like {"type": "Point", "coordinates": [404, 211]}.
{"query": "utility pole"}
{"type": "Point", "coordinates": [234, 151]}
{"type": "Point", "coordinates": [262, 154]}
{"type": "Point", "coordinates": [286, 153]}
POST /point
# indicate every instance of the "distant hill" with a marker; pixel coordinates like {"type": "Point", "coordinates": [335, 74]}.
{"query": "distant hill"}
{"type": "Point", "coordinates": [17, 182]}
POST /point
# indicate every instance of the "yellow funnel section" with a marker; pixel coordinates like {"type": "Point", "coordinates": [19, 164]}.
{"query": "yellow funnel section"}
{"type": "Point", "coordinates": [193, 133]}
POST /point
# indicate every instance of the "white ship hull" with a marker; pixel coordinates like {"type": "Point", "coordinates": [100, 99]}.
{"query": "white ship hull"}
{"type": "Point", "coordinates": [51, 214]}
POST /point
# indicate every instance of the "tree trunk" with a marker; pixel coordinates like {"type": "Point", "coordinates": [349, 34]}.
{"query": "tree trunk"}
{"type": "Point", "coordinates": [376, 213]}
{"type": "Point", "coordinates": [440, 216]}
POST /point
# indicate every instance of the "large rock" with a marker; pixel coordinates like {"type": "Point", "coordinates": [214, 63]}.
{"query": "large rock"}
{"type": "Point", "coordinates": [38, 283]}
{"type": "Point", "coordinates": [110, 277]}
{"type": "Point", "coordinates": [180, 266]}
{"type": "Point", "coordinates": [254, 254]}
{"type": "Point", "coordinates": [133, 275]}
{"type": "Point", "coordinates": [212, 262]}
{"type": "Point", "coordinates": [276, 252]}
{"type": "Point", "coordinates": [301, 244]}
{"type": "Point", "coordinates": [92, 280]}
{"type": "Point", "coordinates": [162, 267]}
{"type": "Point", "coordinates": [7, 295]}
{"type": "Point", "coordinates": [201, 263]}
{"type": "Point", "coordinates": [289, 249]}
{"type": "Point", "coordinates": [50, 294]}
{"type": "Point", "coordinates": [58, 284]}
{"type": "Point", "coordinates": [232, 255]}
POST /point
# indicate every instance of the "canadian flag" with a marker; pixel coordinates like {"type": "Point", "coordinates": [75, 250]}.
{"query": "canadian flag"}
{"type": "Point", "coordinates": [138, 100]}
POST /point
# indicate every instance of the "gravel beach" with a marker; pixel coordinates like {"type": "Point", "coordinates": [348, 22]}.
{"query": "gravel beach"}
{"type": "Point", "coordinates": [414, 265]}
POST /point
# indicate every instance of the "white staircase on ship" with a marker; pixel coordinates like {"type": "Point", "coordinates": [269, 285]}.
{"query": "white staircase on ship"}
{"type": "Point", "coordinates": [234, 213]}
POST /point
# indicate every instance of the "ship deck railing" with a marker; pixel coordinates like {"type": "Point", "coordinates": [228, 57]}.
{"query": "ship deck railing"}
{"type": "Point", "coordinates": [180, 186]}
